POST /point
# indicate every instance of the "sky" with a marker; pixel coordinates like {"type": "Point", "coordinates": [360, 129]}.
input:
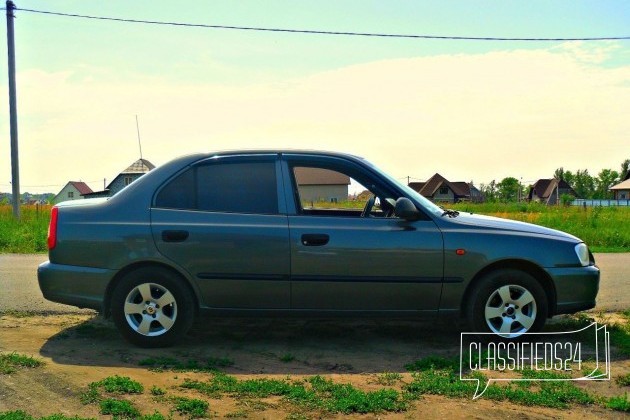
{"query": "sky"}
{"type": "Point", "coordinates": [470, 110]}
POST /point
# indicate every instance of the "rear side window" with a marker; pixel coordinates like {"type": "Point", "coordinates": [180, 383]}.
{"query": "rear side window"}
{"type": "Point", "coordinates": [248, 187]}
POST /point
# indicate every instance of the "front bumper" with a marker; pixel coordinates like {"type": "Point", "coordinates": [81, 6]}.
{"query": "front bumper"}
{"type": "Point", "coordinates": [77, 286]}
{"type": "Point", "coordinates": [576, 288]}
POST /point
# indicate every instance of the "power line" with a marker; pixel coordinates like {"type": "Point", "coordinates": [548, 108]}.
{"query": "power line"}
{"type": "Point", "coordinates": [319, 32]}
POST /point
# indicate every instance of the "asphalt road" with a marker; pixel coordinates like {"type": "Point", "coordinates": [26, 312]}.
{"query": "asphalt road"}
{"type": "Point", "coordinates": [19, 290]}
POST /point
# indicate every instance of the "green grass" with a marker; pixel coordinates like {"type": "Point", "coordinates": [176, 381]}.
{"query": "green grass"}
{"type": "Point", "coordinates": [316, 393]}
{"type": "Point", "coordinates": [604, 229]}
{"type": "Point", "coordinates": [119, 409]}
{"type": "Point", "coordinates": [445, 380]}
{"type": "Point", "coordinates": [27, 235]}
{"type": "Point", "coordinates": [623, 380]}
{"type": "Point", "coordinates": [157, 391]}
{"type": "Point", "coordinates": [21, 415]}
{"type": "Point", "coordinates": [388, 378]}
{"type": "Point", "coordinates": [121, 385]}
{"type": "Point", "coordinates": [620, 403]}
{"type": "Point", "coordinates": [9, 363]}
{"type": "Point", "coordinates": [192, 407]}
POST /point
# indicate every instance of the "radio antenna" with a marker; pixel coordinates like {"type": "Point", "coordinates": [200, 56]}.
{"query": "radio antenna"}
{"type": "Point", "coordinates": [138, 131]}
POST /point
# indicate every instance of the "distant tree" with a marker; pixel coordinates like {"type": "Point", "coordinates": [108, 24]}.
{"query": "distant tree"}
{"type": "Point", "coordinates": [625, 169]}
{"type": "Point", "coordinates": [489, 191]}
{"type": "Point", "coordinates": [583, 184]}
{"type": "Point", "coordinates": [605, 179]}
{"type": "Point", "coordinates": [559, 174]}
{"type": "Point", "coordinates": [508, 189]}
{"type": "Point", "coordinates": [569, 178]}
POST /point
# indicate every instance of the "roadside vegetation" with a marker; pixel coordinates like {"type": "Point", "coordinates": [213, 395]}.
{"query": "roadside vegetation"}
{"type": "Point", "coordinates": [604, 229]}
{"type": "Point", "coordinates": [202, 386]}
{"type": "Point", "coordinates": [11, 362]}
{"type": "Point", "coordinates": [27, 235]}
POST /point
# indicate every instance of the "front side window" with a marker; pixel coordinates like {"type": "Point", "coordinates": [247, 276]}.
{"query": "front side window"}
{"type": "Point", "coordinates": [331, 192]}
{"type": "Point", "coordinates": [248, 187]}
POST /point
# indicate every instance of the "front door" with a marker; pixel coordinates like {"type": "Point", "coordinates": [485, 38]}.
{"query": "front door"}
{"type": "Point", "coordinates": [346, 257]}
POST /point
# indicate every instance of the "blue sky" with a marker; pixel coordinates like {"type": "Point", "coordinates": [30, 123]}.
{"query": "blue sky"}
{"type": "Point", "coordinates": [469, 110]}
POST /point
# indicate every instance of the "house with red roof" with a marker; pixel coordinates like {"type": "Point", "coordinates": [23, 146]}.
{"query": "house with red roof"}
{"type": "Point", "coordinates": [73, 190]}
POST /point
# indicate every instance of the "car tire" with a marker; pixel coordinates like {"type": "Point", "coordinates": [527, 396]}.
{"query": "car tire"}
{"type": "Point", "coordinates": [152, 307]}
{"type": "Point", "coordinates": [507, 303]}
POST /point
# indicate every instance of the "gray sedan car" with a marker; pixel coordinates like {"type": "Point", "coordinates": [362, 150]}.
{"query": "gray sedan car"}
{"type": "Point", "coordinates": [275, 233]}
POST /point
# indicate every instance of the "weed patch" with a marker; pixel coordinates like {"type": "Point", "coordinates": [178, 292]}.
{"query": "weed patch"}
{"type": "Point", "coordinates": [619, 403]}
{"type": "Point", "coordinates": [120, 385]}
{"type": "Point", "coordinates": [192, 407]}
{"type": "Point", "coordinates": [10, 362]}
{"type": "Point", "coordinates": [119, 409]}
{"type": "Point", "coordinates": [388, 378]}
{"type": "Point", "coordinates": [314, 393]}
{"type": "Point", "coordinates": [21, 415]}
{"type": "Point", "coordinates": [624, 380]}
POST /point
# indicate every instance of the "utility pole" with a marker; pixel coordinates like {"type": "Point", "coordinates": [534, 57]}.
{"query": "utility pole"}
{"type": "Point", "coordinates": [15, 166]}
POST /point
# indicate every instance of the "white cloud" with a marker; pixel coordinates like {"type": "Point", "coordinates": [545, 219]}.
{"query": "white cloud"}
{"type": "Point", "coordinates": [519, 113]}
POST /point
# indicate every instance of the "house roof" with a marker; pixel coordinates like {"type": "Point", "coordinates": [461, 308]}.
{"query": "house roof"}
{"type": "Point", "coordinates": [82, 187]}
{"type": "Point", "coordinates": [545, 187]}
{"type": "Point", "coordinates": [428, 188]}
{"type": "Point", "coordinates": [461, 188]}
{"type": "Point", "coordinates": [625, 185]}
{"type": "Point", "coordinates": [417, 186]}
{"type": "Point", "coordinates": [319, 176]}
{"type": "Point", "coordinates": [140, 166]}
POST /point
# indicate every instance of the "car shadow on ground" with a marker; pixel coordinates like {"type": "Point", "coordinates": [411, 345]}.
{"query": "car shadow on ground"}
{"type": "Point", "coordinates": [279, 345]}
{"type": "Point", "coordinates": [270, 346]}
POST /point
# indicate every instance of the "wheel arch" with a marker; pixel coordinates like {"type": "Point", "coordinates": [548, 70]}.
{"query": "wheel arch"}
{"type": "Point", "coordinates": [107, 301]}
{"type": "Point", "coordinates": [537, 272]}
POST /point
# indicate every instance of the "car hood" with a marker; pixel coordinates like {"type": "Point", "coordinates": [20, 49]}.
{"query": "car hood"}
{"type": "Point", "coordinates": [496, 223]}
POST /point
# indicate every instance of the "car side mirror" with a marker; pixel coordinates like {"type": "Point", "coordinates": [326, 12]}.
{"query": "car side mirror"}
{"type": "Point", "coordinates": [405, 209]}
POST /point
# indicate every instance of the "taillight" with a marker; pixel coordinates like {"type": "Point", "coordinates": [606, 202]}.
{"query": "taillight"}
{"type": "Point", "coordinates": [52, 228]}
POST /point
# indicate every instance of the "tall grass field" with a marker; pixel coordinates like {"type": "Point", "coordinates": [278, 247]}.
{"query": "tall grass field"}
{"type": "Point", "coordinates": [604, 229]}
{"type": "Point", "coordinates": [26, 236]}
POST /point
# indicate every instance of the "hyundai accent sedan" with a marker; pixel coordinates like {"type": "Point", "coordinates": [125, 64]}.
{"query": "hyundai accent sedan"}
{"type": "Point", "coordinates": [276, 233]}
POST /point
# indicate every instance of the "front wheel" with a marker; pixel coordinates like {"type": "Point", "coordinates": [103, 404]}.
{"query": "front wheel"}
{"type": "Point", "coordinates": [152, 307]}
{"type": "Point", "coordinates": [508, 303]}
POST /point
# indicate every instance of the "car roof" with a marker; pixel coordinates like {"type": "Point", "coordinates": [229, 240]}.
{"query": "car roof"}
{"type": "Point", "coordinates": [281, 151]}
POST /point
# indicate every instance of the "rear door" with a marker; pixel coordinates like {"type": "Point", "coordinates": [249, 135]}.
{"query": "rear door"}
{"type": "Point", "coordinates": [224, 222]}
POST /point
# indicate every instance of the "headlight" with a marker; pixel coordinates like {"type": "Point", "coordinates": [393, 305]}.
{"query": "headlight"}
{"type": "Point", "coordinates": [582, 253]}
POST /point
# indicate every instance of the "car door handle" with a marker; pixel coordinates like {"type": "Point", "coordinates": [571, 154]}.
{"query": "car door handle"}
{"type": "Point", "coordinates": [315, 239]}
{"type": "Point", "coordinates": [174, 235]}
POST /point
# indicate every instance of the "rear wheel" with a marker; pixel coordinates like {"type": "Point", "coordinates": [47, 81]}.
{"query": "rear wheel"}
{"type": "Point", "coordinates": [152, 307]}
{"type": "Point", "coordinates": [507, 303]}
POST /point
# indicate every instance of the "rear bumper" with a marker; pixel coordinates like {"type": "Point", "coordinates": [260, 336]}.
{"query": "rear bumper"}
{"type": "Point", "coordinates": [576, 288]}
{"type": "Point", "coordinates": [77, 286]}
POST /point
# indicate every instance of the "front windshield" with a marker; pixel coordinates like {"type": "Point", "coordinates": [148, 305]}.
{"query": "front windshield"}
{"type": "Point", "coordinates": [425, 203]}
